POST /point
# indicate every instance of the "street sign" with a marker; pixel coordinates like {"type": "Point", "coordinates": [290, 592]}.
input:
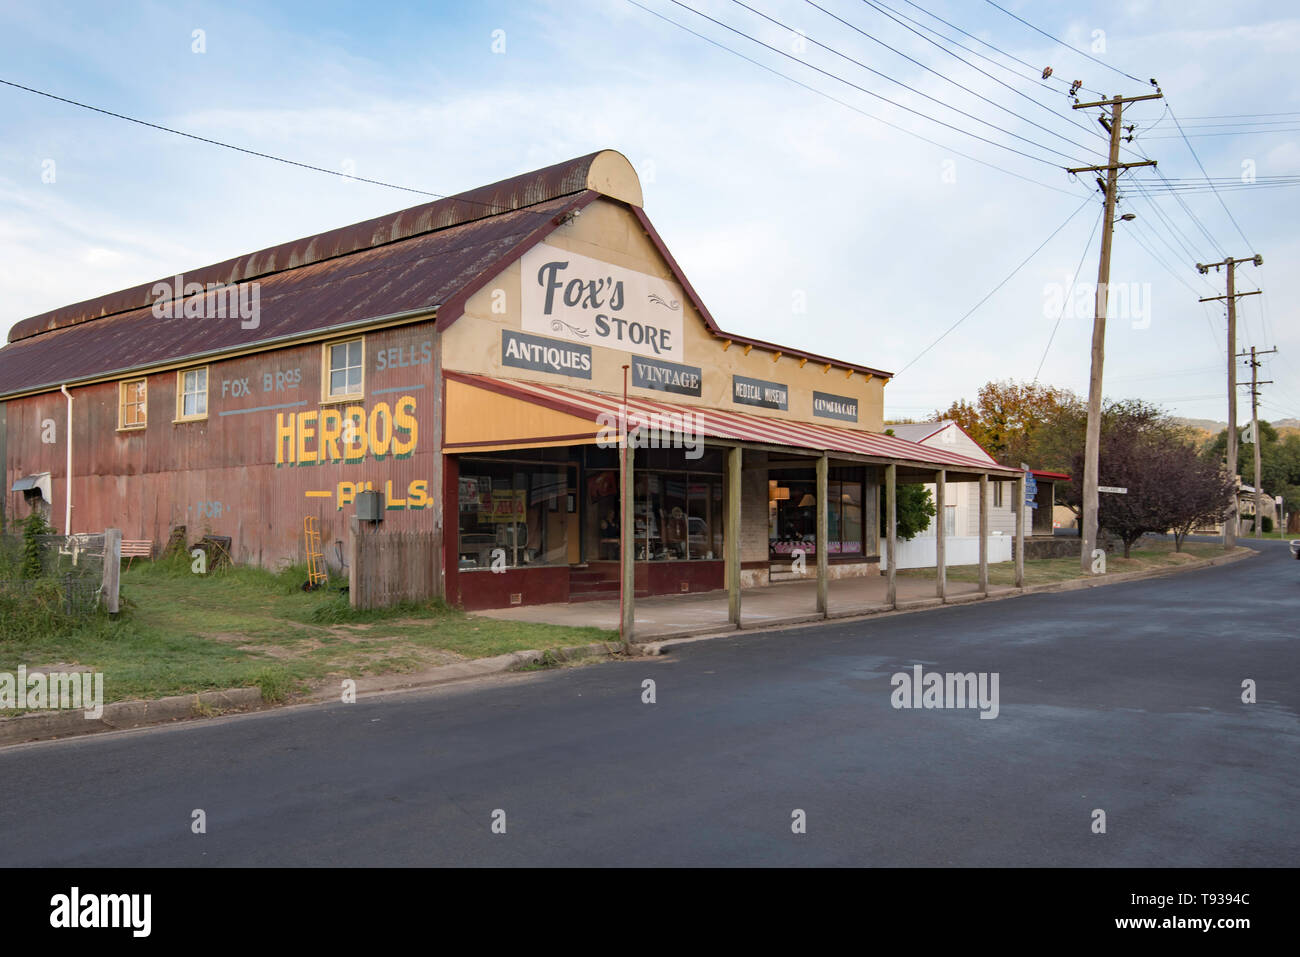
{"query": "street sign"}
{"type": "Point", "coordinates": [1031, 490]}
{"type": "Point", "coordinates": [1112, 489]}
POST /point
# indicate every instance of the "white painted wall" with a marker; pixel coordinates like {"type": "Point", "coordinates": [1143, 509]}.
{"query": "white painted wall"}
{"type": "Point", "coordinates": [959, 550]}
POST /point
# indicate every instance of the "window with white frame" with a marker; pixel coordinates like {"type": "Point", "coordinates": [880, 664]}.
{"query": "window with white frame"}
{"type": "Point", "coordinates": [192, 394]}
{"type": "Point", "coordinates": [344, 369]}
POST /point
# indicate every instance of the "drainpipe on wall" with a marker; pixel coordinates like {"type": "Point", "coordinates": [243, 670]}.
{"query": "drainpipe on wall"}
{"type": "Point", "coordinates": [67, 511]}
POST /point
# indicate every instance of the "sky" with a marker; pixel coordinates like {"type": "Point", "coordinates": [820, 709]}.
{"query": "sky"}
{"type": "Point", "coordinates": [799, 215]}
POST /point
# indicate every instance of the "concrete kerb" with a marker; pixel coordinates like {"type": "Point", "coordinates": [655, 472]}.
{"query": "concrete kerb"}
{"type": "Point", "coordinates": [44, 725]}
{"type": "Point", "coordinates": [39, 726]}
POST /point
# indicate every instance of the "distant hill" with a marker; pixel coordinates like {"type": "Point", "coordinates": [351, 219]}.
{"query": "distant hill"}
{"type": "Point", "coordinates": [1210, 428]}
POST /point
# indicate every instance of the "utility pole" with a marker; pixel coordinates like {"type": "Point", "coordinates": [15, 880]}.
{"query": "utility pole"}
{"type": "Point", "coordinates": [1254, 364]}
{"type": "Point", "coordinates": [1230, 521]}
{"type": "Point", "coordinates": [1088, 527]}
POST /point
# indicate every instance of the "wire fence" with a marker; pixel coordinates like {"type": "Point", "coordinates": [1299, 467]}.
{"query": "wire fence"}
{"type": "Point", "coordinates": [63, 570]}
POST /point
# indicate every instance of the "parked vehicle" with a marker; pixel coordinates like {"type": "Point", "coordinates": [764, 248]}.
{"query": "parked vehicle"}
{"type": "Point", "coordinates": [1295, 547]}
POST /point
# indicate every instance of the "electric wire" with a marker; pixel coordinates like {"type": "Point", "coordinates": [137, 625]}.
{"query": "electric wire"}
{"type": "Point", "coordinates": [1066, 300]}
{"type": "Point", "coordinates": [845, 104]}
{"type": "Point", "coordinates": [990, 293]}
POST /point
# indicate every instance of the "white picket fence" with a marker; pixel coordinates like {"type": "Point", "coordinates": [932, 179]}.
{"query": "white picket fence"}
{"type": "Point", "coordinates": [960, 550]}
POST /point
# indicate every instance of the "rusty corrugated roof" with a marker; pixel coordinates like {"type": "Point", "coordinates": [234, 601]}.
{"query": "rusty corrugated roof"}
{"type": "Point", "coordinates": [405, 276]}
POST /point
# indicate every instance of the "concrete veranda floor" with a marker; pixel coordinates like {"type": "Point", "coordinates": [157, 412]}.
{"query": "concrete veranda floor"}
{"type": "Point", "coordinates": [664, 616]}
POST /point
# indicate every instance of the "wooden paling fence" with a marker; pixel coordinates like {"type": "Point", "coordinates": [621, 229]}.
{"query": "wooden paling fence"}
{"type": "Point", "coordinates": [391, 567]}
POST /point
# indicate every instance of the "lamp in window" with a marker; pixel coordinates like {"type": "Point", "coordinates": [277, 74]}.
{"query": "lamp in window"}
{"type": "Point", "coordinates": [808, 501]}
{"type": "Point", "coordinates": [777, 493]}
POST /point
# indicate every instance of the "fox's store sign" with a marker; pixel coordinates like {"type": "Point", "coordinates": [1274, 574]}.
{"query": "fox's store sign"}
{"type": "Point", "coordinates": [350, 436]}
{"type": "Point", "coordinates": [588, 301]}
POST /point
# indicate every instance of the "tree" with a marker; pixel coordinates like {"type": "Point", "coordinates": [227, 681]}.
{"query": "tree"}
{"type": "Point", "coordinates": [1199, 490]}
{"type": "Point", "coordinates": [1017, 422]}
{"type": "Point", "coordinates": [1170, 484]}
{"type": "Point", "coordinates": [915, 509]}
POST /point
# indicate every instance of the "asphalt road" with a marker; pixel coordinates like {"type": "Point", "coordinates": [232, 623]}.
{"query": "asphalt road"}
{"type": "Point", "coordinates": [1125, 698]}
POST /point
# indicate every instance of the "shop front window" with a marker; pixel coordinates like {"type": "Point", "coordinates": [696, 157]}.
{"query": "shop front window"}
{"type": "Point", "coordinates": [792, 513]}
{"type": "Point", "coordinates": [677, 513]}
{"type": "Point", "coordinates": [514, 514]}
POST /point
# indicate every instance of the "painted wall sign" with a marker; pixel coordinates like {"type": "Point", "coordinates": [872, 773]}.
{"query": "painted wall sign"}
{"type": "Point", "coordinates": [401, 357]}
{"type": "Point", "coordinates": [830, 406]}
{"type": "Point", "coordinates": [765, 395]}
{"type": "Point", "coordinates": [586, 300]}
{"type": "Point", "coordinates": [666, 376]}
{"type": "Point", "coordinates": [347, 436]}
{"type": "Point", "coordinates": [545, 355]}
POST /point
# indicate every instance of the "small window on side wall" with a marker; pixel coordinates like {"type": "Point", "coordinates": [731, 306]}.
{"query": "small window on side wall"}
{"type": "Point", "coordinates": [343, 376]}
{"type": "Point", "coordinates": [192, 394]}
{"type": "Point", "coordinates": [132, 407]}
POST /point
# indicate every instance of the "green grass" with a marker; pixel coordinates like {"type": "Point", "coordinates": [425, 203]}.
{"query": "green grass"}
{"type": "Point", "coordinates": [1042, 571]}
{"type": "Point", "coordinates": [248, 627]}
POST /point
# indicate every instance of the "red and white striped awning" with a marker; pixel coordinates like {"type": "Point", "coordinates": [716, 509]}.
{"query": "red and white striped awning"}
{"type": "Point", "coordinates": [731, 425]}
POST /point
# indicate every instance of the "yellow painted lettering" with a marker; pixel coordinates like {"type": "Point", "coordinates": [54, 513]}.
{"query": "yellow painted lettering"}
{"type": "Point", "coordinates": [331, 427]}
{"type": "Point", "coordinates": [284, 429]}
{"type": "Point", "coordinates": [390, 499]}
{"type": "Point", "coordinates": [404, 421]}
{"type": "Point", "coordinates": [418, 493]}
{"type": "Point", "coordinates": [347, 491]}
{"type": "Point", "coordinates": [354, 433]}
{"type": "Point", "coordinates": [380, 441]}
{"type": "Point", "coordinates": [306, 430]}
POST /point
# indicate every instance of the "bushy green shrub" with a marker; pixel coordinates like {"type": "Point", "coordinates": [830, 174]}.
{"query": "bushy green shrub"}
{"type": "Point", "coordinates": [34, 526]}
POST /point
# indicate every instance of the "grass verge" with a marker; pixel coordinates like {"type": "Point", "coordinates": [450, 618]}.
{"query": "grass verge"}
{"type": "Point", "coordinates": [1042, 571]}
{"type": "Point", "coordinates": [248, 627]}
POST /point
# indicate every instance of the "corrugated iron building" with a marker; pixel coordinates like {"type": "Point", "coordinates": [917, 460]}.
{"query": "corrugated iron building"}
{"type": "Point", "coordinates": [464, 357]}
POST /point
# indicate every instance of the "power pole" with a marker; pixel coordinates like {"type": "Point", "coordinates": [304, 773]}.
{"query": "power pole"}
{"type": "Point", "coordinates": [1254, 364]}
{"type": "Point", "coordinates": [1088, 526]}
{"type": "Point", "coordinates": [1230, 521]}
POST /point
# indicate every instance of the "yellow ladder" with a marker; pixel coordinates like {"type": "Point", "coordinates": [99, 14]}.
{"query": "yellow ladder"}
{"type": "Point", "coordinates": [316, 576]}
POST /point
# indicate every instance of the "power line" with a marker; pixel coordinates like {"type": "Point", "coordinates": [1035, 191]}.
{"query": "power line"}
{"type": "Point", "coordinates": [944, 76]}
{"type": "Point", "coordinates": [991, 46]}
{"type": "Point", "coordinates": [1199, 164]}
{"type": "Point", "coordinates": [846, 105]}
{"type": "Point", "coordinates": [898, 17]}
{"type": "Point", "coordinates": [1064, 44]}
{"type": "Point", "coordinates": [1235, 116]}
{"type": "Point", "coordinates": [229, 146]}
{"type": "Point", "coordinates": [1168, 223]}
{"type": "Point", "coordinates": [1066, 300]}
{"type": "Point", "coordinates": [871, 93]}
{"type": "Point", "coordinates": [911, 89]}
{"type": "Point", "coordinates": [990, 293]}
{"type": "Point", "coordinates": [1181, 135]}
